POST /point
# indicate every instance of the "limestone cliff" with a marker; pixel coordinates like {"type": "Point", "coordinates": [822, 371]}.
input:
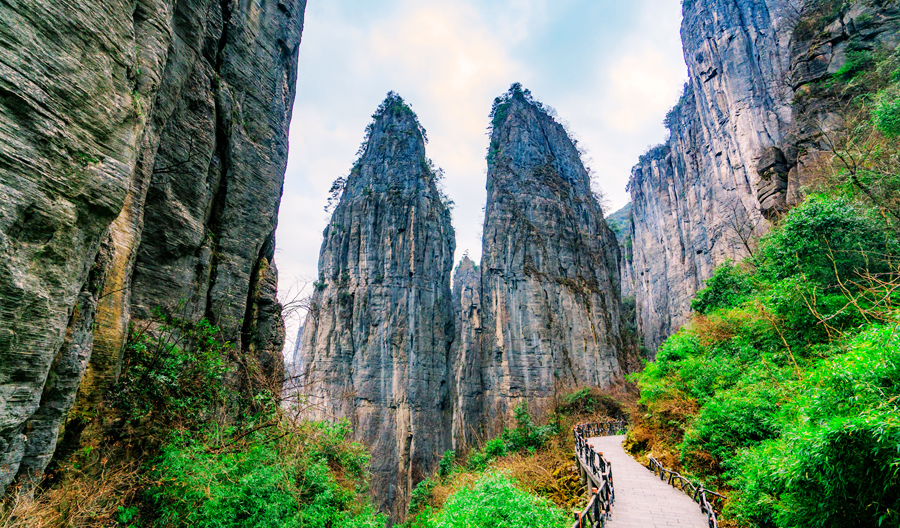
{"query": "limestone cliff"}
{"type": "Point", "coordinates": [738, 140]}
{"type": "Point", "coordinates": [142, 154]}
{"type": "Point", "coordinates": [550, 303]}
{"type": "Point", "coordinates": [466, 362]}
{"type": "Point", "coordinates": [376, 341]}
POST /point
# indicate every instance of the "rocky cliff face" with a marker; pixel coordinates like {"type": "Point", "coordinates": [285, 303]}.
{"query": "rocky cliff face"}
{"type": "Point", "coordinates": [379, 332]}
{"type": "Point", "coordinates": [738, 139]}
{"type": "Point", "coordinates": [549, 279]}
{"type": "Point", "coordinates": [418, 369]}
{"type": "Point", "coordinates": [142, 153]}
{"type": "Point", "coordinates": [467, 391]}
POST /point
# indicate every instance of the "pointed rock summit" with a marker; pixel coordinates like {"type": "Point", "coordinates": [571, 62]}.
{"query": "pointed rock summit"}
{"type": "Point", "coordinates": [549, 279]}
{"type": "Point", "coordinates": [378, 335]}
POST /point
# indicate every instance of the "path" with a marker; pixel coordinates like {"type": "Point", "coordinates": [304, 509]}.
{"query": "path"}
{"type": "Point", "coordinates": [642, 500]}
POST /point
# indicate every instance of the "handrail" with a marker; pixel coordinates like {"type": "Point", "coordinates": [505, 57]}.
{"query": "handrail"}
{"type": "Point", "coordinates": [698, 493]}
{"type": "Point", "coordinates": [597, 511]}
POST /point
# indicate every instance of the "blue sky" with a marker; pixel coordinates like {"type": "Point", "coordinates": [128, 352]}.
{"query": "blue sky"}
{"type": "Point", "coordinates": [611, 69]}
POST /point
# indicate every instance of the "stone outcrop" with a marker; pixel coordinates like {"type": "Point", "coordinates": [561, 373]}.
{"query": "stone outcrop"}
{"type": "Point", "coordinates": [142, 153]}
{"type": "Point", "coordinates": [467, 391]}
{"type": "Point", "coordinates": [377, 339]}
{"type": "Point", "coordinates": [738, 139]}
{"type": "Point", "coordinates": [550, 306]}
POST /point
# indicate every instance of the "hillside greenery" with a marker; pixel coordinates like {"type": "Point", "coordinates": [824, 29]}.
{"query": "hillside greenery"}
{"type": "Point", "coordinates": [784, 390]}
{"type": "Point", "coordinates": [522, 477]}
{"type": "Point", "coordinates": [172, 446]}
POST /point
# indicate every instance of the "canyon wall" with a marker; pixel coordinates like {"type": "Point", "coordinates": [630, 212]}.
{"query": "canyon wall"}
{"type": "Point", "coordinates": [739, 137]}
{"type": "Point", "coordinates": [377, 340]}
{"type": "Point", "coordinates": [142, 154]}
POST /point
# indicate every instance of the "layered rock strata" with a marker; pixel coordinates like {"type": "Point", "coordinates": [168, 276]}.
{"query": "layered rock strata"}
{"type": "Point", "coordinates": [550, 305]}
{"type": "Point", "coordinates": [739, 137]}
{"type": "Point", "coordinates": [467, 390]}
{"type": "Point", "coordinates": [142, 154]}
{"type": "Point", "coordinates": [377, 340]}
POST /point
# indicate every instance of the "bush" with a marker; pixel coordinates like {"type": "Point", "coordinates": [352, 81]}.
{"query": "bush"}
{"type": "Point", "coordinates": [278, 478]}
{"type": "Point", "coordinates": [526, 436]}
{"type": "Point", "coordinates": [176, 372]}
{"type": "Point", "coordinates": [837, 464]}
{"type": "Point", "coordinates": [495, 501]}
{"type": "Point", "coordinates": [886, 115]}
{"type": "Point", "coordinates": [445, 466]}
{"type": "Point", "coordinates": [731, 420]}
{"type": "Point", "coordinates": [824, 239]}
{"type": "Point", "coordinates": [810, 314]}
{"type": "Point", "coordinates": [418, 499]}
{"type": "Point", "coordinates": [858, 60]}
{"type": "Point", "coordinates": [590, 401]}
{"type": "Point", "coordinates": [727, 288]}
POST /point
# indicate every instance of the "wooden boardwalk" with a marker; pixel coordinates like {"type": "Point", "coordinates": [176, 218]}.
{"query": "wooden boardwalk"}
{"type": "Point", "coordinates": [642, 499]}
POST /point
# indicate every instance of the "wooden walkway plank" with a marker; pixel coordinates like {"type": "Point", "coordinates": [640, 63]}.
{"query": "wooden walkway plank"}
{"type": "Point", "coordinates": [642, 499]}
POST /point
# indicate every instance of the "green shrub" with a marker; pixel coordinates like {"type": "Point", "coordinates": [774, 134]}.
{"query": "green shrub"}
{"type": "Point", "coordinates": [837, 463]}
{"type": "Point", "coordinates": [727, 288]}
{"type": "Point", "coordinates": [445, 466]}
{"type": "Point", "coordinates": [493, 502]}
{"type": "Point", "coordinates": [278, 478]}
{"type": "Point", "coordinates": [176, 372]}
{"type": "Point", "coordinates": [526, 436]}
{"type": "Point", "coordinates": [810, 314]}
{"type": "Point", "coordinates": [591, 401]}
{"type": "Point", "coordinates": [824, 239]}
{"type": "Point", "coordinates": [733, 419]}
{"type": "Point", "coordinates": [886, 116]}
{"type": "Point", "coordinates": [418, 499]}
{"type": "Point", "coordinates": [858, 60]}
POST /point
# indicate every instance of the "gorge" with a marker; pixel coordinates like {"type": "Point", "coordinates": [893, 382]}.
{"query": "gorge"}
{"type": "Point", "coordinates": [143, 150]}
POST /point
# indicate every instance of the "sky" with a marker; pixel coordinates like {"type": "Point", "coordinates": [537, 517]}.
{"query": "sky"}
{"type": "Point", "coordinates": [610, 68]}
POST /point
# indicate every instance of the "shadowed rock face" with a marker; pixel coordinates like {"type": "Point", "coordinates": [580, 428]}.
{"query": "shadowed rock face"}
{"type": "Point", "coordinates": [549, 274]}
{"type": "Point", "coordinates": [467, 383]}
{"type": "Point", "coordinates": [142, 153]}
{"type": "Point", "coordinates": [376, 342]}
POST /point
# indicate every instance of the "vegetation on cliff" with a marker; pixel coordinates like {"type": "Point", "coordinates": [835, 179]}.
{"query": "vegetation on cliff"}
{"type": "Point", "coordinates": [173, 446]}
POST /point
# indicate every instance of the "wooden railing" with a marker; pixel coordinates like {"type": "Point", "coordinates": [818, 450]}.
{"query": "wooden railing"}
{"type": "Point", "coordinates": [697, 492]}
{"type": "Point", "coordinates": [597, 471]}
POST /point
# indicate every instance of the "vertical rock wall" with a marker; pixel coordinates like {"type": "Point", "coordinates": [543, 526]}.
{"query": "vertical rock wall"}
{"type": "Point", "coordinates": [142, 152]}
{"type": "Point", "coordinates": [549, 278]}
{"type": "Point", "coordinates": [378, 335]}
{"type": "Point", "coordinates": [750, 115]}
{"type": "Point", "coordinates": [695, 198]}
{"type": "Point", "coordinates": [467, 390]}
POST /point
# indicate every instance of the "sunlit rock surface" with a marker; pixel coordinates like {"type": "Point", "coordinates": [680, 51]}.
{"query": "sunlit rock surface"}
{"type": "Point", "coordinates": [550, 306]}
{"type": "Point", "coordinates": [377, 340]}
